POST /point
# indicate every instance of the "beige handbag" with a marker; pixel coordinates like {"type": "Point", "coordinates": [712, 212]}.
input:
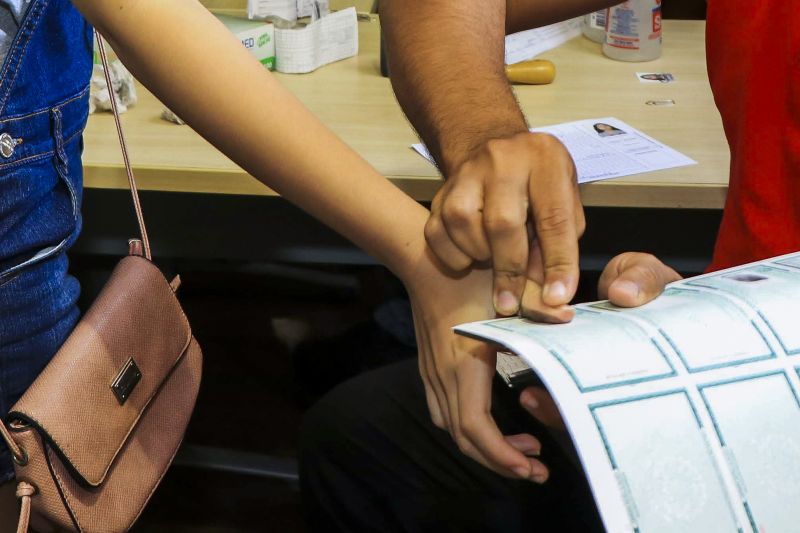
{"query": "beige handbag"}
{"type": "Point", "coordinates": [95, 433]}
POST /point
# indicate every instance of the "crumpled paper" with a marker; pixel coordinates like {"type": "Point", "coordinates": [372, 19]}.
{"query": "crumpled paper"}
{"type": "Point", "coordinates": [170, 116]}
{"type": "Point", "coordinates": [124, 88]}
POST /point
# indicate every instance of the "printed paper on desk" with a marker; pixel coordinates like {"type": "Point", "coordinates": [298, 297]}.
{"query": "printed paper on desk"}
{"type": "Point", "coordinates": [530, 43]}
{"type": "Point", "coordinates": [331, 38]}
{"type": "Point", "coordinates": [260, 9]}
{"type": "Point", "coordinates": [606, 148]}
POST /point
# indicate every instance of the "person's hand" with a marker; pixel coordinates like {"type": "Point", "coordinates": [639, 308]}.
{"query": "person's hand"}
{"type": "Point", "coordinates": [634, 278]}
{"type": "Point", "coordinates": [629, 280]}
{"type": "Point", "coordinates": [516, 202]}
{"type": "Point", "coordinates": [457, 372]}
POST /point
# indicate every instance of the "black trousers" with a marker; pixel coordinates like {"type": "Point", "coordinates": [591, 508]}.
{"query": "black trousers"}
{"type": "Point", "coordinates": [372, 460]}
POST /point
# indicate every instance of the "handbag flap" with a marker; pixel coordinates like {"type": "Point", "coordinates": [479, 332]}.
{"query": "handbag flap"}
{"type": "Point", "coordinates": [91, 395]}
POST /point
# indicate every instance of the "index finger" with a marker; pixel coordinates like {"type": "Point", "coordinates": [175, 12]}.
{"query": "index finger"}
{"type": "Point", "coordinates": [505, 216]}
{"type": "Point", "coordinates": [557, 211]}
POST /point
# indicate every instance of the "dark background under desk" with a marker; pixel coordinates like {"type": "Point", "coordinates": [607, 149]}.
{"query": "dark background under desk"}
{"type": "Point", "coordinates": [258, 276]}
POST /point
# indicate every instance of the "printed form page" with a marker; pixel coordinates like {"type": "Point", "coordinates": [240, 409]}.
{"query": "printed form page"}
{"type": "Point", "coordinates": [323, 41]}
{"type": "Point", "coordinates": [685, 412]}
{"type": "Point", "coordinates": [605, 148]}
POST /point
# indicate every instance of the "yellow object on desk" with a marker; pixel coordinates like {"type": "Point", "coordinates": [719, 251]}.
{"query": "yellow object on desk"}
{"type": "Point", "coordinates": [531, 72]}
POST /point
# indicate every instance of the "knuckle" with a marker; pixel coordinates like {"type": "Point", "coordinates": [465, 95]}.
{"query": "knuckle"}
{"type": "Point", "coordinates": [648, 274]}
{"type": "Point", "coordinates": [496, 146]}
{"type": "Point", "coordinates": [545, 144]}
{"type": "Point", "coordinates": [510, 272]}
{"type": "Point", "coordinates": [432, 230]}
{"type": "Point", "coordinates": [498, 151]}
{"type": "Point", "coordinates": [438, 421]}
{"type": "Point", "coordinates": [468, 425]}
{"type": "Point", "coordinates": [462, 443]}
{"type": "Point", "coordinates": [544, 141]}
{"type": "Point", "coordinates": [555, 220]}
{"type": "Point", "coordinates": [504, 221]}
{"type": "Point", "coordinates": [465, 171]}
{"type": "Point", "coordinates": [459, 210]}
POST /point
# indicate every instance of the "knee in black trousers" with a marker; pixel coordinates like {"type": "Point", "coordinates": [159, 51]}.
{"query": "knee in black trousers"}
{"type": "Point", "coordinates": [372, 460]}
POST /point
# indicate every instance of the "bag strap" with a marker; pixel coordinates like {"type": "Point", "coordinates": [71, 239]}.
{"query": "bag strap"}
{"type": "Point", "coordinates": [137, 206]}
{"type": "Point", "coordinates": [24, 490]}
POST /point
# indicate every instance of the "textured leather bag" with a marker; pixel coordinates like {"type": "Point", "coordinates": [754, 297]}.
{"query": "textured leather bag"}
{"type": "Point", "coordinates": [97, 430]}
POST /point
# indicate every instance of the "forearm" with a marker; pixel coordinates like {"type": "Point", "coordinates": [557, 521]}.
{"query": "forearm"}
{"type": "Point", "coordinates": [447, 65]}
{"type": "Point", "coordinates": [527, 14]}
{"type": "Point", "coordinates": [264, 129]}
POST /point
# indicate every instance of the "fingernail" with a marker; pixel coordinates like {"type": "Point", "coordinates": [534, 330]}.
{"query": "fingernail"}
{"type": "Point", "coordinates": [629, 288]}
{"type": "Point", "coordinates": [555, 292]}
{"type": "Point", "coordinates": [530, 403]}
{"type": "Point", "coordinates": [539, 478]}
{"type": "Point", "coordinates": [535, 452]}
{"type": "Point", "coordinates": [506, 303]}
{"type": "Point", "coordinates": [521, 472]}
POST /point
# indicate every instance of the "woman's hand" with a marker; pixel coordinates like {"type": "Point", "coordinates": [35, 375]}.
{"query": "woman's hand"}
{"type": "Point", "coordinates": [457, 371]}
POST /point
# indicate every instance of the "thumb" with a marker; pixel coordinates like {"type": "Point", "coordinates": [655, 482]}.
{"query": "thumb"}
{"type": "Point", "coordinates": [633, 279]}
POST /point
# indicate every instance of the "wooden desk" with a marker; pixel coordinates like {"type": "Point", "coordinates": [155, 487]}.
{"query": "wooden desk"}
{"type": "Point", "coordinates": [357, 103]}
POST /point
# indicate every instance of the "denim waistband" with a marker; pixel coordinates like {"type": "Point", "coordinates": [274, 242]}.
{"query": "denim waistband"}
{"type": "Point", "coordinates": [33, 135]}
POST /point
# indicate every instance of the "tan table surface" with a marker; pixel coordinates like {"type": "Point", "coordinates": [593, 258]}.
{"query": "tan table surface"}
{"type": "Point", "coordinates": [357, 103]}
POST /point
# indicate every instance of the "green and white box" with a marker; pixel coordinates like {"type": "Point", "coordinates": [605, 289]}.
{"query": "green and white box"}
{"type": "Point", "coordinates": [256, 36]}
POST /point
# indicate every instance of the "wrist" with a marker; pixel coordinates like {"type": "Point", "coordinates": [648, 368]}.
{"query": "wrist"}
{"type": "Point", "coordinates": [455, 152]}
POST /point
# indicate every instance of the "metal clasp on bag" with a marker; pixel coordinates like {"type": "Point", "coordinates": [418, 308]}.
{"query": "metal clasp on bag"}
{"type": "Point", "coordinates": [126, 381]}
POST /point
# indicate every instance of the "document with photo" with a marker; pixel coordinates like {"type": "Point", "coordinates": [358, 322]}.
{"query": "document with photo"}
{"type": "Point", "coordinates": [685, 412]}
{"type": "Point", "coordinates": [606, 148]}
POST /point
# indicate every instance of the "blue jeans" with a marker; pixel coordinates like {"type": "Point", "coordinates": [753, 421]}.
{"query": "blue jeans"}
{"type": "Point", "coordinates": [43, 110]}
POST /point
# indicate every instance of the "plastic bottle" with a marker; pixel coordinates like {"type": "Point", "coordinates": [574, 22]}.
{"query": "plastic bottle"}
{"type": "Point", "coordinates": [634, 31]}
{"type": "Point", "coordinates": [594, 26]}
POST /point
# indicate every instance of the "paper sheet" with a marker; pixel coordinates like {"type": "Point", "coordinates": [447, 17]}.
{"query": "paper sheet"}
{"type": "Point", "coordinates": [686, 411]}
{"type": "Point", "coordinates": [606, 148]}
{"type": "Point", "coordinates": [329, 39]}
{"type": "Point", "coordinates": [259, 9]}
{"type": "Point", "coordinates": [306, 8]}
{"type": "Point", "coordinates": [530, 43]}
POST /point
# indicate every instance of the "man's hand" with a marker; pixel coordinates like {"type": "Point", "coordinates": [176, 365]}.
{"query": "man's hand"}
{"type": "Point", "coordinates": [629, 280]}
{"type": "Point", "coordinates": [633, 279]}
{"type": "Point", "coordinates": [457, 372]}
{"type": "Point", "coordinates": [516, 202]}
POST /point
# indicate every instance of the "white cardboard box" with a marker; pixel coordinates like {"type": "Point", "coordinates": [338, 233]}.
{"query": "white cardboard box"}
{"type": "Point", "coordinates": [256, 36]}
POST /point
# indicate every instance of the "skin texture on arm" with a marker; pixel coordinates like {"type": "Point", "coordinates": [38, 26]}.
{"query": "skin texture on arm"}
{"type": "Point", "coordinates": [446, 61]}
{"type": "Point", "coordinates": [219, 89]}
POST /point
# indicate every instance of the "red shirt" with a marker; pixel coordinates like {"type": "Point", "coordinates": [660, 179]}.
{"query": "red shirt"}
{"type": "Point", "coordinates": [753, 52]}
